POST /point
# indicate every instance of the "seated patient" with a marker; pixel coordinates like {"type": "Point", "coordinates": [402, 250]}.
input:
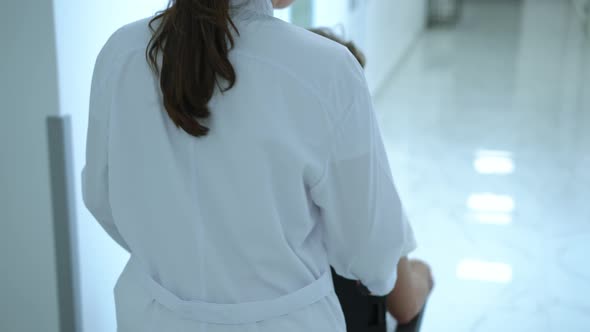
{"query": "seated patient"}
{"type": "Point", "coordinates": [414, 282]}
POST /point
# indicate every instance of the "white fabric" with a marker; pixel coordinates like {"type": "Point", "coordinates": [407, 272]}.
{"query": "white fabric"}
{"type": "Point", "coordinates": [292, 178]}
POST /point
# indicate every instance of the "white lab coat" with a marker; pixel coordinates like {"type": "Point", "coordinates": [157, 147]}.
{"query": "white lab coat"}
{"type": "Point", "coordinates": [236, 231]}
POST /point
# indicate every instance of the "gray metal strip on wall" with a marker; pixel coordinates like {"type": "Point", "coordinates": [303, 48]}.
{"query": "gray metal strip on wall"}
{"type": "Point", "coordinates": [64, 222]}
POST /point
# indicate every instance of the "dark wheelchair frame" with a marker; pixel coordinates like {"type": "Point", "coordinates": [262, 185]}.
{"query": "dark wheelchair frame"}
{"type": "Point", "coordinates": [366, 313]}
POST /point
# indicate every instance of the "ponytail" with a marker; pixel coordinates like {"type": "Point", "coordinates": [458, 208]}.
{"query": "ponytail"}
{"type": "Point", "coordinates": [194, 37]}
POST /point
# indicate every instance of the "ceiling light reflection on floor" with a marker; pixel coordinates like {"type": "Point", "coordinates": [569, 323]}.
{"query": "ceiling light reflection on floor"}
{"type": "Point", "coordinates": [493, 162]}
{"type": "Point", "coordinates": [489, 218]}
{"type": "Point", "coordinates": [490, 202]}
{"type": "Point", "coordinates": [471, 269]}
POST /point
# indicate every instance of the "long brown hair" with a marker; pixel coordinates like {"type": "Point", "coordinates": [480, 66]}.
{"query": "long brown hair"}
{"type": "Point", "coordinates": [194, 37]}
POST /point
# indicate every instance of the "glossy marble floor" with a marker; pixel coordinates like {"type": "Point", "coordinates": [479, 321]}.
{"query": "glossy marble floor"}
{"type": "Point", "coordinates": [487, 126]}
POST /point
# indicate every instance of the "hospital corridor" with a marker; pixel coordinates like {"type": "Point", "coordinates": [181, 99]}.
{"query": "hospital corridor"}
{"type": "Point", "coordinates": [484, 111]}
{"type": "Point", "coordinates": [487, 125]}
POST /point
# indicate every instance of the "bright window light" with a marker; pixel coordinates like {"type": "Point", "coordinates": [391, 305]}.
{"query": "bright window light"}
{"type": "Point", "coordinates": [490, 202]}
{"type": "Point", "coordinates": [472, 269]}
{"type": "Point", "coordinates": [494, 162]}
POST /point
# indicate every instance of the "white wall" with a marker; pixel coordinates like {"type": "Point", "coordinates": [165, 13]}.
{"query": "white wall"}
{"type": "Point", "coordinates": [384, 29]}
{"type": "Point", "coordinates": [283, 14]}
{"type": "Point", "coordinates": [28, 94]}
{"type": "Point", "coordinates": [82, 28]}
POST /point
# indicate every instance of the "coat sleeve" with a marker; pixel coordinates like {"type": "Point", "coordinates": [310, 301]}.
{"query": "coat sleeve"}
{"type": "Point", "coordinates": [366, 231]}
{"type": "Point", "coordinates": [95, 175]}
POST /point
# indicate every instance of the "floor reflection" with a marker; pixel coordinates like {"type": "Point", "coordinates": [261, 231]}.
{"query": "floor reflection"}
{"type": "Point", "coordinates": [472, 269]}
{"type": "Point", "coordinates": [494, 162]}
{"type": "Point", "coordinates": [490, 202]}
{"type": "Point", "coordinates": [488, 130]}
